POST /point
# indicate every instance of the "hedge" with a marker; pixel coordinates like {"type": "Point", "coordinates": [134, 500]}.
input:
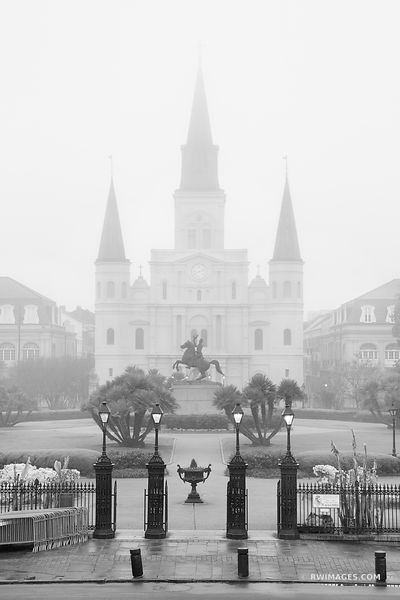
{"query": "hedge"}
{"type": "Point", "coordinates": [195, 422]}
{"type": "Point", "coordinates": [129, 463]}
{"type": "Point", "coordinates": [264, 462]}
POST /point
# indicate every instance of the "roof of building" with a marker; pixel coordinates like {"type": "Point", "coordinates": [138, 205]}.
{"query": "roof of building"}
{"type": "Point", "coordinates": [258, 281]}
{"type": "Point", "coordinates": [112, 244]}
{"type": "Point", "coordinates": [10, 289]}
{"type": "Point", "coordinates": [140, 282]}
{"type": "Point", "coordinates": [391, 289]}
{"type": "Point", "coordinates": [81, 314]}
{"type": "Point", "coordinates": [286, 242]}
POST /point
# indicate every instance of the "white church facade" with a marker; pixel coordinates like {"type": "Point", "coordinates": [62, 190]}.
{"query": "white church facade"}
{"type": "Point", "coordinates": [200, 286]}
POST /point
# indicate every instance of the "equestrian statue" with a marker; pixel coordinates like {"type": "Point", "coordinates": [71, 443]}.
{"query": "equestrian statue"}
{"type": "Point", "coordinates": [193, 358]}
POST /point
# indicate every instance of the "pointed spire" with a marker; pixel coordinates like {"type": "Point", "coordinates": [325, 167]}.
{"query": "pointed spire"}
{"type": "Point", "coordinates": [199, 155]}
{"type": "Point", "coordinates": [286, 243]}
{"type": "Point", "coordinates": [111, 244]}
{"type": "Point", "coordinates": [199, 133]}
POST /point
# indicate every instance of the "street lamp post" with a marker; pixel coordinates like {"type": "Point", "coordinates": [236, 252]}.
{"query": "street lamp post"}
{"type": "Point", "coordinates": [287, 519]}
{"type": "Point", "coordinates": [394, 411]}
{"type": "Point", "coordinates": [236, 513]}
{"type": "Point", "coordinates": [103, 469]}
{"type": "Point", "coordinates": [156, 527]}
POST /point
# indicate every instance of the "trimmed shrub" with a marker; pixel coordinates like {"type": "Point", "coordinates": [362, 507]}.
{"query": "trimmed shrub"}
{"type": "Point", "coordinates": [263, 462]}
{"type": "Point", "coordinates": [58, 415]}
{"type": "Point", "coordinates": [360, 416]}
{"type": "Point", "coordinates": [80, 458]}
{"type": "Point", "coordinates": [195, 422]}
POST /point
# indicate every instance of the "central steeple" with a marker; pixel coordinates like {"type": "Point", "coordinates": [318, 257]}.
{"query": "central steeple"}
{"type": "Point", "coordinates": [199, 154]}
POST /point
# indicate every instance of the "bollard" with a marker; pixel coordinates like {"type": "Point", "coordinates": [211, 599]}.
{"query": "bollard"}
{"type": "Point", "coordinates": [243, 562]}
{"type": "Point", "coordinates": [380, 566]}
{"type": "Point", "coordinates": [136, 563]}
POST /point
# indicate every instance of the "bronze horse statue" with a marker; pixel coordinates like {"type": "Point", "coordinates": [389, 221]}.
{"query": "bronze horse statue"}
{"type": "Point", "coordinates": [192, 358]}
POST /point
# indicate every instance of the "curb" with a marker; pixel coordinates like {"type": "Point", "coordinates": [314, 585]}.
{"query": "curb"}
{"type": "Point", "coordinates": [239, 581]}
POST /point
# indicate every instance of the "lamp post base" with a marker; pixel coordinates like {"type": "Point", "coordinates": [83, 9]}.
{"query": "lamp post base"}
{"type": "Point", "coordinates": [103, 534]}
{"type": "Point", "coordinates": [288, 534]}
{"type": "Point", "coordinates": [155, 534]}
{"type": "Point", "coordinates": [237, 534]}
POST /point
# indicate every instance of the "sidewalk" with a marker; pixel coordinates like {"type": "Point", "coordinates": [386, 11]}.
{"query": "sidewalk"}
{"type": "Point", "coordinates": [200, 556]}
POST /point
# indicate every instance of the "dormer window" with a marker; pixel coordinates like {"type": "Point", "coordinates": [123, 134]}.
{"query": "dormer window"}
{"type": "Point", "coordinates": [368, 314]}
{"type": "Point", "coordinates": [390, 314]}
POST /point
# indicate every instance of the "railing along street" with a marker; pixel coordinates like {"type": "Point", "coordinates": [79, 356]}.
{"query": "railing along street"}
{"type": "Point", "coordinates": [33, 496]}
{"type": "Point", "coordinates": [352, 509]}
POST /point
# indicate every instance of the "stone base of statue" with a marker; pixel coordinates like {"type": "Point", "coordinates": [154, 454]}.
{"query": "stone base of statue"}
{"type": "Point", "coordinates": [195, 398]}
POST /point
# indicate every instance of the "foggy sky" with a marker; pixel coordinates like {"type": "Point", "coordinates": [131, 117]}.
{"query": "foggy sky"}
{"type": "Point", "coordinates": [315, 80]}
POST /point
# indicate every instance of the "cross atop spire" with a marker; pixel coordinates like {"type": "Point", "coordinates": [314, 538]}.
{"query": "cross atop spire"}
{"type": "Point", "coordinates": [111, 245]}
{"type": "Point", "coordinates": [199, 155]}
{"type": "Point", "coordinates": [286, 243]}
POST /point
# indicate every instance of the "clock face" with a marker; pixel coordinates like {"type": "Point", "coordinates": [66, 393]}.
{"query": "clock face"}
{"type": "Point", "coordinates": [198, 271]}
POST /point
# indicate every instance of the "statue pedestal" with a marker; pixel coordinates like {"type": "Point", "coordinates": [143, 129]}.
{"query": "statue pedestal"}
{"type": "Point", "coordinates": [195, 398]}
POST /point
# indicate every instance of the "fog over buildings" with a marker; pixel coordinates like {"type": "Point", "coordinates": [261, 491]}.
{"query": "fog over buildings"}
{"type": "Point", "coordinates": [312, 80]}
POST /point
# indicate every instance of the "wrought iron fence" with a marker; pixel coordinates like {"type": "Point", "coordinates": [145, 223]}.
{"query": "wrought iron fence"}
{"type": "Point", "coordinates": [349, 509]}
{"type": "Point", "coordinates": [32, 496]}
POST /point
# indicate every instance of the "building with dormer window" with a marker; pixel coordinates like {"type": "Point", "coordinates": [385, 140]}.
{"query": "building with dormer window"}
{"type": "Point", "coordinates": [361, 330]}
{"type": "Point", "coordinates": [200, 286]}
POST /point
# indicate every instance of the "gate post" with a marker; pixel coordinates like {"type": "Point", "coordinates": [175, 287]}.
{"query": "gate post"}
{"type": "Point", "coordinates": [156, 527]}
{"type": "Point", "coordinates": [236, 496]}
{"type": "Point", "coordinates": [287, 528]}
{"type": "Point", "coordinates": [103, 469]}
{"type": "Point", "coordinates": [104, 527]}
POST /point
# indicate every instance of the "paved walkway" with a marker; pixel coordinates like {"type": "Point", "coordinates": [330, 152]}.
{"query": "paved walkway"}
{"type": "Point", "coordinates": [202, 556]}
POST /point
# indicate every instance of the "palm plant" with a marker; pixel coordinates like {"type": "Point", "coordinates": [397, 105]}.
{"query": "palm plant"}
{"type": "Point", "coordinates": [289, 390]}
{"type": "Point", "coordinates": [226, 398]}
{"type": "Point", "coordinates": [261, 394]}
{"type": "Point", "coordinates": [130, 397]}
{"type": "Point", "coordinates": [369, 398]}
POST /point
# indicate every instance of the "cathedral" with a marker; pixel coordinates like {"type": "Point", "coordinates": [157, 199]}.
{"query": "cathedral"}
{"type": "Point", "coordinates": [199, 286]}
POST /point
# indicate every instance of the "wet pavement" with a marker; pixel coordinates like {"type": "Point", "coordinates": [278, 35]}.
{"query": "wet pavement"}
{"type": "Point", "coordinates": [202, 556]}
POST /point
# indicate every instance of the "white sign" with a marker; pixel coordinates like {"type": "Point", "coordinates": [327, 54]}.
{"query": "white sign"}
{"type": "Point", "coordinates": [325, 501]}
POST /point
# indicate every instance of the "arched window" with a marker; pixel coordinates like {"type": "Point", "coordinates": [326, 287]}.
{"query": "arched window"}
{"type": "Point", "coordinates": [368, 352]}
{"type": "Point", "coordinates": [198, 295]}
{"type": "Point", "coordinates": [124, 289]}
{"type": "Point", "coordinates": [7, 352]}
{"type": "Point", "coordinates": [204, 337]}
{"type": "Point", "coordinates": [233, 290]}
{"type": "Point", "coordinates": [206, 238]}
{"type": "Point", "coordinates": [139, 339]}
{"type": "Point", "coordinates": [30, 351]}
{"type": "Point", "coordinates": [392, 352]}
{"type": "Point", "coordinates": [164, 289]}
{"type": "Point", "coordinates": [191, 239]}
{"type": "Point", "coordinates": [287, 337]}
{"type": "Point", "coordinates": [98, 289]}
{"type": "Point", "coordinates": [218, 332]}
{"type": "Point", "coordinates": [258, 339]}
{"type": "Point", "coordinates": [274, 289]}
{"type": "Point", "coordinates": [110, 336]}
{"type": "Point", "coordinates": [110, 289]}
{"type": "Point", "coordinates": [287, 289]}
